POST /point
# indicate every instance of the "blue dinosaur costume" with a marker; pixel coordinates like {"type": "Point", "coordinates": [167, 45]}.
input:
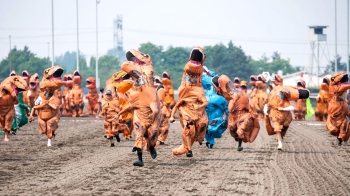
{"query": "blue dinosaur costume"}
{"type": "Point", "coordinates": [216, 110]}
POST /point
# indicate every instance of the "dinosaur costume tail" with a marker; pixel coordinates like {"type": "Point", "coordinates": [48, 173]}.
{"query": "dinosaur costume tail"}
{"type": "Point", "coordinates": [269, 127]}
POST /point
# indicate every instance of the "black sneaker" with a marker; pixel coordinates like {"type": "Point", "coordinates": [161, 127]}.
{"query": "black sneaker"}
{"type": "Point", "coordinates": [189, 154]}
{"type": "Point", "coordinates": [138, 163]}
{"type": "Point", "coordinates": [240, 148]}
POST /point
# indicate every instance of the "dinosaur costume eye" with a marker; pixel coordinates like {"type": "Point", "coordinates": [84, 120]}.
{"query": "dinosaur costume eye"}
{"type": "Point", "coordinates": [16, 79]}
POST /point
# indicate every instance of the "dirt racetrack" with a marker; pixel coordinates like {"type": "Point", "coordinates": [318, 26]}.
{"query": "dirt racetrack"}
{"type": "Point", "coordinates": [80, 162]}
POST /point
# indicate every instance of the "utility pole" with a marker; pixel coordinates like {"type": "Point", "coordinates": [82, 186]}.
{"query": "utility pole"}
{"type": "Point", "coordinates": [97, 78]}
{"type": "Point", "coordinates": [48, 54]}
{"type": "Point", "coordinates": [336, 52]}
{"type": "Point", "coordinates": [53, 40]}
{"type": "Point", "coordinates": [10, 61]}
{"type": "Point", "coordinates": [77, 37]}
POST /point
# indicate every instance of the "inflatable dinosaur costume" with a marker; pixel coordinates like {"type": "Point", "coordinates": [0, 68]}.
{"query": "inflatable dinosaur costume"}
{"type": "Point", "coordinates": [144, 101]}
{"type": "Point", "coordinates": [321, 111]}
{"type": "Point", "coordinates": [279, 109]}
{"type": "Point", "coordinates": [191, 104]}
{"type": "Point", "coordinates": [9, 90]}
{"type": "Point", "coordinates": [47, 105]}
{"type": "Point", "coordinates": [260, 95]}
{"type": "Point", "coordinates": [33, 92]}
{"type": "Point", "coordinates": [122, 87]}
{"type": "Point", "coordinates": [76, 96]}
{"type": "Point", "coordinates": [243, 122]}
{"type": "Point", "coordinates": [66, 109]}
{"type": "Point", "coordinates": [110, 109]}
{"type": "Point", "coordinates": [165, 112]}
{"type": "Point", "coordinates": [216, 110]}
{"type": "Point", "coordinates": [92, 96]}
{"type": "Point", "coordinates": [337, 122]}
{"type": "Point", "coordinates": [169, 99]}
{"type": "Point", "coordinates": [300, 104]}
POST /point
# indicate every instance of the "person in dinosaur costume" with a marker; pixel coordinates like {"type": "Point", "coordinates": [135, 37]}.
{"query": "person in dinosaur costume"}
{"type": "Point", "coordinates": [279, 109]}
{"type": "Point", "coordinates": [9, 90]}
{"type": "Point", "coordinates": [66, 109]}
{"type": "Point", "coordinates": [337, 122]}
{"type": "Point", "coordinates": [144, 102]}
{"type": "Point", "coordinates": [21, 111]}
{"type": "Point", "coordinates": [237, 82]}
{"type": "Point", "coordinates": [321, 111]}
{"type": "Point", "coordinates": [92, 96]}
{"type": "Point", "coordinates": [47, 104]}
{"type": "Point", "coordinates": [33, 92]}
{"type": "Point", "coordinates": [216, 110]}
{"type": "Point", "coordinates": [122, 88]}
{"type": "Point", "coordinates": [165, 112]}
{"type": "Point", "coordinates": [261, 95]}
{"type": "Point", "coordinates": [244, 86]}
{"type": "Point", "coordinates": [243, 122]}
{"type": "Point", "coordinates": [76, 96]}
{"type": "Point", "coordinates": [300, 104]}
{"type": "Point", "coordinates": [253, 79]}
{"type": "Point", "coordinates": [110, 109]}
{"type": "Point", "coordinates": [191, 103]}
{"type": "Point", "coordinates": [169, 99]}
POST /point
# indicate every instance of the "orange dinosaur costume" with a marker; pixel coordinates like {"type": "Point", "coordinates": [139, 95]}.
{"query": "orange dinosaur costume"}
{"type": "Point", "coordinates": [243, 122]}
{"type": "Point", "coordinates": [253, 79]}
{"type": "Point", "coordinates": [300, 104]}
{"type": "Point", "coordinates": [76, 96]}
{"type": "Point", "coordinates": [33, 92]}
{"type": "Point", "coordinates": [191, 103]}
{"type": "Point", "coordinates": [9, 89]}
{"type": "Point", "coordinates": [143, 100]}
{"type": "Point", "coordinates": [122, 88]}
{"type": "Point", "coordinates": [321, 111]}
{"type": "Point", "coordinates": [164, 125]}
{"type": "Point", "coordinates": [169, 99]}
{"type": "Point", "coordinates": [337, 122]}
{"type": "Point", "coordinates": [280, 110]}
{"type": "Point", "coordinates": [47, 105]}
{"type": "Point", "coordinates": [110, 109]}
{"type": "Point", "coordinates": [66, 110]}
{"type": "Point", "coordinates": [92, 96]}
{"type": "Point", "coordinates": [260, 95]}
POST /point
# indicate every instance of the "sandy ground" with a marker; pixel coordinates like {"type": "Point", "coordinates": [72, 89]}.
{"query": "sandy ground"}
{"type": "Point", "coordinates": [80, 162]}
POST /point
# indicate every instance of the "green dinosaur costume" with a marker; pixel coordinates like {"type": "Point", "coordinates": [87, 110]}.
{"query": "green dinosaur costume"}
{"type": "Point", "coordinates": [21, 111]}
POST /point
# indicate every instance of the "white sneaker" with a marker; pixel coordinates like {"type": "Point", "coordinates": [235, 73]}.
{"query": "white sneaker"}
{"type": "Point", "coordinates": [279, 146]}
{"type": "Point", "coordinates": [48, 142]}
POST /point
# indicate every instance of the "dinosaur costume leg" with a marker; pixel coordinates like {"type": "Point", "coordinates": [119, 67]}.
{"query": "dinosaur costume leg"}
{"type": "Point", "coordinates": [163, 130]}
{"type": "Point", "coordinates": [52, 125]}
{"type": "Point", "coordinates": [201, 128]}
{"type": "Point", "coordinates": [6, 122]}
{"type": "Point", "coordinates": [188, 138]}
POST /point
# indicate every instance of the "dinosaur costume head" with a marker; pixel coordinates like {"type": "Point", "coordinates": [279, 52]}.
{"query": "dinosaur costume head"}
{"type": "Point", "coordinates": [77, 77]}
{"type": "Point", "coordinates": [301, 83]}
{"type": "Point", "coordinates": [52, 79]}
{"type": "Point", "coordinates": [196, 60]}
{"type": "Point", "coordinates": [157, 81]}
{"type": "Point", "coordinates": [25, 75]}
{"type": "Point", "coordinates": [244, 85]}
{"type": "Point", "coordinates": [237, 82]}
{"type": "Point", "coordinates": [34, 81]}
{"type": "Point", "coordinates": [110, 92]}
{"type": "Point", "coordinates": [223, 86]}
{"type": "Point", "coordinates": [166, 79]}
{"type": "Point", "coordinates": [253, 79]}
{"type": "Point", "coordinates": [325, 84]}
{"type": "Point", "coordinates": [13, 73]}
{"type": "Point", "coordinates": [69, 80]}
{"type": "Point", "coordinates": [339, 83]}
{"type": "Point", "coordinates": [91, 83]}
{"type": "Point", "coordinates": [122, 80]}
{"type": "Point", "coordinates": [138, 61]}
{"type": "Point", "coordinates": [277, 80]}
{"type": "Point", "coordinates": [14, 84]}
{"type": "Point", "coordinates": [261, 81]}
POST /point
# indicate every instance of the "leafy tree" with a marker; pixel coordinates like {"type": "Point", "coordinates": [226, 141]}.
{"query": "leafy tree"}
{"type": "Point", "coordinates": [68, 60]}
{"type": "Point", "coordinates": [341, 66]}
{"type": "Point", "coordinates": [107, 65]}
{"type": "Point", "coordinates": [276, 56]}
{"type": "Point", "coordinates": [21, 60]}
{"type": "Point", "coordinates": [156, 52]}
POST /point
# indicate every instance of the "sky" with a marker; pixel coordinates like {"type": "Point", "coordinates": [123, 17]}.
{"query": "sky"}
{"type": "Point", "coordinates": [258, 26]}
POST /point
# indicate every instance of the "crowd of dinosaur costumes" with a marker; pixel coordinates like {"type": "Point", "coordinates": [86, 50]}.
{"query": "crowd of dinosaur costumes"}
{"type": "Point", "coordinates": [137, 100]}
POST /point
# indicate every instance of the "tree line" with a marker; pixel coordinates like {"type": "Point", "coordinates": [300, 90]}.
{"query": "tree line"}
{"type": "Point", "coordinates": [230, 60]}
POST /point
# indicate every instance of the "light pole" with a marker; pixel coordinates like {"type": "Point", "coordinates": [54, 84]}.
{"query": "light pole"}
{"type": "Point", "coordinates": [53, 40]}
{"type": "Point", "coordinates": [347, 45]}
{"type": "Point", "coordinates": [77, 37]}
{"type": "Point", "coordinates": [97, 78]}
{"type": "Point", "coordinates": [48, 54]}
{"type": "Point", "coordinates": [10, 61]}
{"type": "Point", "coordinates": [336, 59]}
